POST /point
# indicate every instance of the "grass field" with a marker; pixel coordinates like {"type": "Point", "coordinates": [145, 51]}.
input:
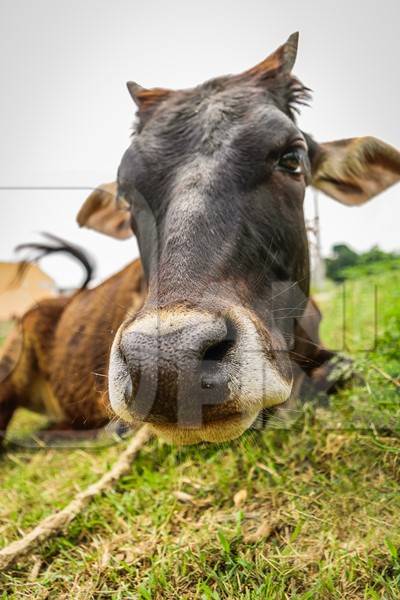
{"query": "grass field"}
{"type": "Point", "coordinates": [309, 511]}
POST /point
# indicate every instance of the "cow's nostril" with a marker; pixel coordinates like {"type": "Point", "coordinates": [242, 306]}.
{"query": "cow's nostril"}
{"type": "Point", "coordinates": [214, 374]}
{"type": "Point", "coordinates": [217, 351]}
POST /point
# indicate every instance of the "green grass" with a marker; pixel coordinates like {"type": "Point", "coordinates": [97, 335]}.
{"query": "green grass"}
{"type": "Point", "coordinates": [320, 519]}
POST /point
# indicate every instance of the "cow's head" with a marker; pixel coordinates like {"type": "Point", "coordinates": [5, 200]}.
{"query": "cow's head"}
{"type": "Point", "coordinates": [213, 186]}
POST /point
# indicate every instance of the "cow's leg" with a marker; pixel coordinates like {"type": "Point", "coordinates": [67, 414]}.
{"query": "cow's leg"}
{"type": "Point", "coordinates": [16, 366]}
{"type": "Point", "coordinates": [8, 404]}
{"type": "Point", "coordinates": [19, 369]}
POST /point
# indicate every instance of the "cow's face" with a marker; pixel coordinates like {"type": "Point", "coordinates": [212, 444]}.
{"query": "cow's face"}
{"type": "Point", "coordinates": [213, 186]}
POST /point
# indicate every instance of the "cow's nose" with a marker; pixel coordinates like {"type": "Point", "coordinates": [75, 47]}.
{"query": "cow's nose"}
{"type": "Point", "coordinates": [178, 365]}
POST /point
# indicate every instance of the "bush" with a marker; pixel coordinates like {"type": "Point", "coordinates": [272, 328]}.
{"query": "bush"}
{"type": "Point", "coordinates": [346, 263]}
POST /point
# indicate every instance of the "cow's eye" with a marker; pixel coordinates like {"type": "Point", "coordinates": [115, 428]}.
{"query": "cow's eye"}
{"type": "Point", "coordinates": [291, 162]}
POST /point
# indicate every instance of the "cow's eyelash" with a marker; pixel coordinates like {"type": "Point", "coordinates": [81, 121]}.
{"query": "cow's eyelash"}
{"type": "Point", "coordinates": [297, 144]}
{"type": "Point", "coordinates": [292, 145]}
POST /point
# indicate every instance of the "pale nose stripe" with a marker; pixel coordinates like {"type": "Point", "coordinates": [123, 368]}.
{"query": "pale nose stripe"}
{"type": "Point", "coordinates": [165, 322]}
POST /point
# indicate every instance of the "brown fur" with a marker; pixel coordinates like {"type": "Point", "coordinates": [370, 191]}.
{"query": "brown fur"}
{"type": "Point", "coordinates": [60, 368]}
{"type": "Point", "coordinates": [147, 98]}
{"type": "Point", "coordinates": [279, 62]}
{"type": "Point", "coordinates": [103, 211]}
{"type": "Point", "coordinates": [355, 170]}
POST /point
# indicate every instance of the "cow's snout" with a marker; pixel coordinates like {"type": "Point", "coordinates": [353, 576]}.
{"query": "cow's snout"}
{"type": "Point", "coordinates": [195, 375]}
{"type": "Point", "coordinates": [179, 367]}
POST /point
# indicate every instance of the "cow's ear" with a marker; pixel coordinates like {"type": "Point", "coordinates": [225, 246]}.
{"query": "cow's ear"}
{"type": "Point", "coordinates": [278, 63]}
{"type": "Point", "coordinates": [105, 212]}
{"type": "Point", "coordinates": [355, 170]}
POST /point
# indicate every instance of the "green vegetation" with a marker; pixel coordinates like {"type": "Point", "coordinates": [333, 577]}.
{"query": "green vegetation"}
{"type": "Point", "coordinates": [319, 518]}
{"type": "Point", "coordinates": [346, 263]}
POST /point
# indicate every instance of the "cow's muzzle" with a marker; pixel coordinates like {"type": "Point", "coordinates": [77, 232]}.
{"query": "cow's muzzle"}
{"type": "Point", "coordinates": [187, 370]}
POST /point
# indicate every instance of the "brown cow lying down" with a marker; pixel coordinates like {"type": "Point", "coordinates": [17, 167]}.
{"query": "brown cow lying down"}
{"type": "Point", "coordinates": [212, 326]}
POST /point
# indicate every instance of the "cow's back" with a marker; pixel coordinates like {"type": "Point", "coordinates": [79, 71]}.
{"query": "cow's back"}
{"type": "Point", "coordinates": [82, 341]}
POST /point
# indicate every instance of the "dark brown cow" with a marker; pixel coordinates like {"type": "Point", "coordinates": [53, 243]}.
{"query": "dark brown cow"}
{"type": "Point", "coordinates": [213, 325]}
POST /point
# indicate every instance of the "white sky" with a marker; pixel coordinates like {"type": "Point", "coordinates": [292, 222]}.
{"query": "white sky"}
{"type": "Point", "coordinates": [66, 115]}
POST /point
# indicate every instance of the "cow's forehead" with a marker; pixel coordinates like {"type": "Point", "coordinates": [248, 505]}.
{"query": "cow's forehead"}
{"type": "Point", "coordinates": [212, 115]}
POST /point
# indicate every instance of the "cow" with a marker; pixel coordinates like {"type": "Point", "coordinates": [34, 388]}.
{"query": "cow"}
{"type": "Point", "coordinates": [214, 324]}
